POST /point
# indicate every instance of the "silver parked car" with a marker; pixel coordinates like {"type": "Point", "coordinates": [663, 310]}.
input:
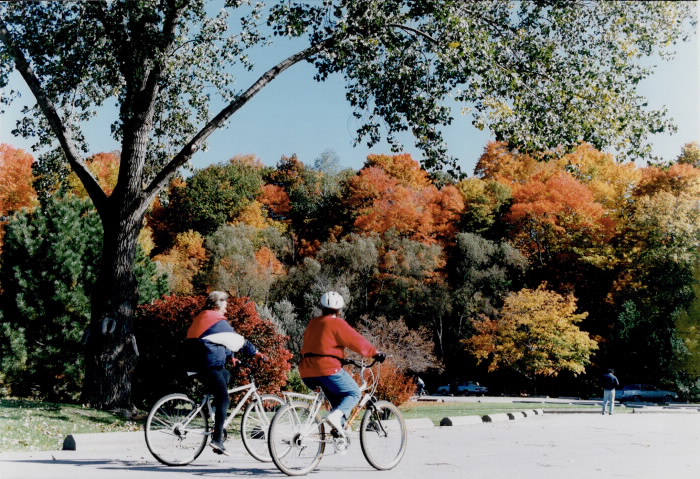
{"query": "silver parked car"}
{"type": "Point", "coordinates": [646, 393]}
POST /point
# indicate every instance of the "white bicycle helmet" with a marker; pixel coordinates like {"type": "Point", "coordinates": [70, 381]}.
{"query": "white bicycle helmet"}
{"type": "Point", "coordinates": [332, 300]}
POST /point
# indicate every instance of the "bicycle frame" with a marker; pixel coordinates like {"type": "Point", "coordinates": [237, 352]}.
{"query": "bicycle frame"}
{"type": "Point", "coordinates": [252, 391]}
{"type": "Point", "coordinates": [206, 401]}
{"type": "Point", "coordinates": [317, 398]}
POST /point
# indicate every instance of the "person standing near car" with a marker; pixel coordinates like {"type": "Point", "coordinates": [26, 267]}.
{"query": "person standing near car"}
{"type": "Point", "coordinates": [610, 382]}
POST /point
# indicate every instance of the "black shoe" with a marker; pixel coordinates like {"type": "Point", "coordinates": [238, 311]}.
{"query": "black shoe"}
{"type": "Point", "coordinates": [218, 447]}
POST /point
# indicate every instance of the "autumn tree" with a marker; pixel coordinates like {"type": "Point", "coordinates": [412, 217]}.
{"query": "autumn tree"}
{"type": "Point", "coordinates": [242, 261]}
{"type": "Point", "coordinates": [536, 333]}
{"type": "Point", "coordinates": [557, 214]}
{"type": "Point", "coordinates": [658, 251]}
{"type": "Point", "coordinates": [486, 201]}
{"type": "Point", "coordinates": [183, 262]}
{"type": "Point", "coordinates": [393, 193]}
{"type": "Point", "coordinates": [105, 168]}
{"type": "Point", "coordinates": [690, 154]}
{"type": "Point", "coordinates": [214, 196]}
{"type": "Point", "coordinates": [16, 179]}
{"type": "Point", "coordinates": [168, 64]}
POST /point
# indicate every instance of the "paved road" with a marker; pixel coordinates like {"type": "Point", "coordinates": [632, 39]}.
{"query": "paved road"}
{"type": "Point", "coordinates": [556, 446]}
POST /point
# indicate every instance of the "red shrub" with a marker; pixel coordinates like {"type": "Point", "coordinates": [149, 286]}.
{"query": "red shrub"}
{"type": "Point", "coordinates": [161, 328]}
{"type": "Point", "coordinates": [394, 385]}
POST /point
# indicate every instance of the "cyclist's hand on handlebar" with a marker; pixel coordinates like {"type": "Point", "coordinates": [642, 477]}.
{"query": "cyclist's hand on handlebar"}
{"type": "Point", "coordinates": [380, 357]}
{"type": "Point", "coordinates": [262, 357]}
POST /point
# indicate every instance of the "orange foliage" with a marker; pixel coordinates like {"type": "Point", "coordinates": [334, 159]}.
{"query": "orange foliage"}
{"type": "Point", "coordinates": [555, 207]}
{"type": "Point", "coordinates": [268, 261]}
{"type": "Point", "coordinates": [16, 179]}
{"type": "Point", "coordinates": [677, 178]}
{"type": "Point", "coordinates": [105, 167]}
{"type": "Point", "coordinates": [408, 205]}
{"type": "Point", "coordinates": [609, 180]}
{"type": "Point", "coordinates": [183, 261]}
{"type": "Point", "coordinates": [402, 167]}
{"type": "Point", "coordinates": [501, 164]}
{"type": "Point", "coordinates": [277, 200]}
{"type": "Point", "coordinates": [394, 385]}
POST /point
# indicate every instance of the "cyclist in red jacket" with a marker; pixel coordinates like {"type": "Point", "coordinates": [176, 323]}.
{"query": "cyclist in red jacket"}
{"type": "Point", "coordinates": [325, 340]}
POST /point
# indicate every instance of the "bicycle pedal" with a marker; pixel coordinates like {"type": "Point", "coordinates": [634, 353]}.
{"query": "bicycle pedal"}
{"type": "Point", "coordinates": [341, 445]}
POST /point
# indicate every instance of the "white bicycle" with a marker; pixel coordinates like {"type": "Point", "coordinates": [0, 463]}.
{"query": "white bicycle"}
{"type": "Point", "coordinates": [178, 428]}
{"type": "Point", "coordinates": [298, 436]}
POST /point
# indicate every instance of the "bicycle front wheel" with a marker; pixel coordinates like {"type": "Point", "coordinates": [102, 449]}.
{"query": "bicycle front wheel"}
{"type": "Point", "coordinates": [383, 435]}
{"type": "Point", "coordinates": [256, 423]}
{"type": "Point", "coordinates": [296, 439]}
{"type": "Point", "coordinates": [176, 430]}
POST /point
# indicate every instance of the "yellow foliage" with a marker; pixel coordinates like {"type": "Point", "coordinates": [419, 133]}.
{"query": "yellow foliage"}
{"type": "Point", "coordinates": [536, 333]}
{"type": "Point", "coordinates": [183, 261]}
{"type": "Point", "coordinates": [253, 214]}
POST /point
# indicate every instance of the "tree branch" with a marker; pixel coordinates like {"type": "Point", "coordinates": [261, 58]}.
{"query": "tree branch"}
{"type": "Point", "coordinates": [62, 132]}
{"type": "Point", "coordinates": [413, 30]}
{"type": "Point", "coordinates": [218, 121]}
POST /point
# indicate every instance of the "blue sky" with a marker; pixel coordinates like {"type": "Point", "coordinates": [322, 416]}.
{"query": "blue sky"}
{"type": "Point", "coordinates": [296, 115]}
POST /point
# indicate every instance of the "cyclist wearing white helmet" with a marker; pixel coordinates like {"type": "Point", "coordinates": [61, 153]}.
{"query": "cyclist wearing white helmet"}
{"type": "Point", "coordinates": [325, 340]}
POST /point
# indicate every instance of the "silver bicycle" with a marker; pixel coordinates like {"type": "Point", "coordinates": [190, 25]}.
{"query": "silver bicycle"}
{"type": "Point", "coordinates": [178, 428]}
{"type": "Point", "coordinates": [298, 436]}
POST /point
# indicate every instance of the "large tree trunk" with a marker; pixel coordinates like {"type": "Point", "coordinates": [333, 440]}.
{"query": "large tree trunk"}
{"type": "Point", "coordinates": [110, 356]}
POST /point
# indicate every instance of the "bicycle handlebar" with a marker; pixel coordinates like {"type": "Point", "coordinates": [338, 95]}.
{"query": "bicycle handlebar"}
{"type": "Point", "coordinates": [360, 365]}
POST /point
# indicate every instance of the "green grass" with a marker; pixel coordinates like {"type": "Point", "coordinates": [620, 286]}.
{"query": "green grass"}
{"type": "Point", "coordinates": [435, 411]}
{"type": "Point", "coordinates": [27, 425]}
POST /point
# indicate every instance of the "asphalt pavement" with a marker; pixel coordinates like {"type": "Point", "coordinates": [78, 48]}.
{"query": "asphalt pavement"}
{"type": "Point", "coordinates": [662, 444]}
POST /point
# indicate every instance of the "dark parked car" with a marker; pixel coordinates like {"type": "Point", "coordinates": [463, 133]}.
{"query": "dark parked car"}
{"type": "Point", "coordinates": [469, 388]}
{"type": "Point", "coordinates": [646, 393]}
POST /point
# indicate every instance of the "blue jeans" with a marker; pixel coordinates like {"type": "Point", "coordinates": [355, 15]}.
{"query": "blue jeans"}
{"type": "Point", "coordinates": [340, 388]}
{"type": "Point", "coordinates": [609, 400]}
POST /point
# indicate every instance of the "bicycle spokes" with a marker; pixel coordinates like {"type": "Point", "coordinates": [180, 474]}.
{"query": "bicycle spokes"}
{"type": "Point", "coordinates": [383, 435]}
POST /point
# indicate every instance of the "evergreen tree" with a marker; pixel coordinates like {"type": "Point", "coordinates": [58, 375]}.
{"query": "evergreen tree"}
{"type": "Point", "coordinates": [49, 269]}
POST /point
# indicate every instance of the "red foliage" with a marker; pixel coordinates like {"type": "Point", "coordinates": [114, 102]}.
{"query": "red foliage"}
{"type": "Point", "coordinates": [394, 385]}
{"type": "Point", "coordinates": [161, 328]}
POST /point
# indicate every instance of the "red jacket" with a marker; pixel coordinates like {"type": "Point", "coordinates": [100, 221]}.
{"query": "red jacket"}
{"type": "Point", "coordinates": [330, 335]}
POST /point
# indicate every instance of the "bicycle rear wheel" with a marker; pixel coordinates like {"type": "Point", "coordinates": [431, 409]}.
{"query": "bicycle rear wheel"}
{"type": "Point", "coordinates": [176, 430]}
{"type": "Point", "coordinates": [383, 435]}
{"type": "Point", "coordinates": [296, 439]}
{"type": "Point", "coordinates": [256, 423]}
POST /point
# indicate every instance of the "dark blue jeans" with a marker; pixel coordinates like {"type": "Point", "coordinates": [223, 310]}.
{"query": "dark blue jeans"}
{"type": "Point", "coordinates": [340, 388]}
